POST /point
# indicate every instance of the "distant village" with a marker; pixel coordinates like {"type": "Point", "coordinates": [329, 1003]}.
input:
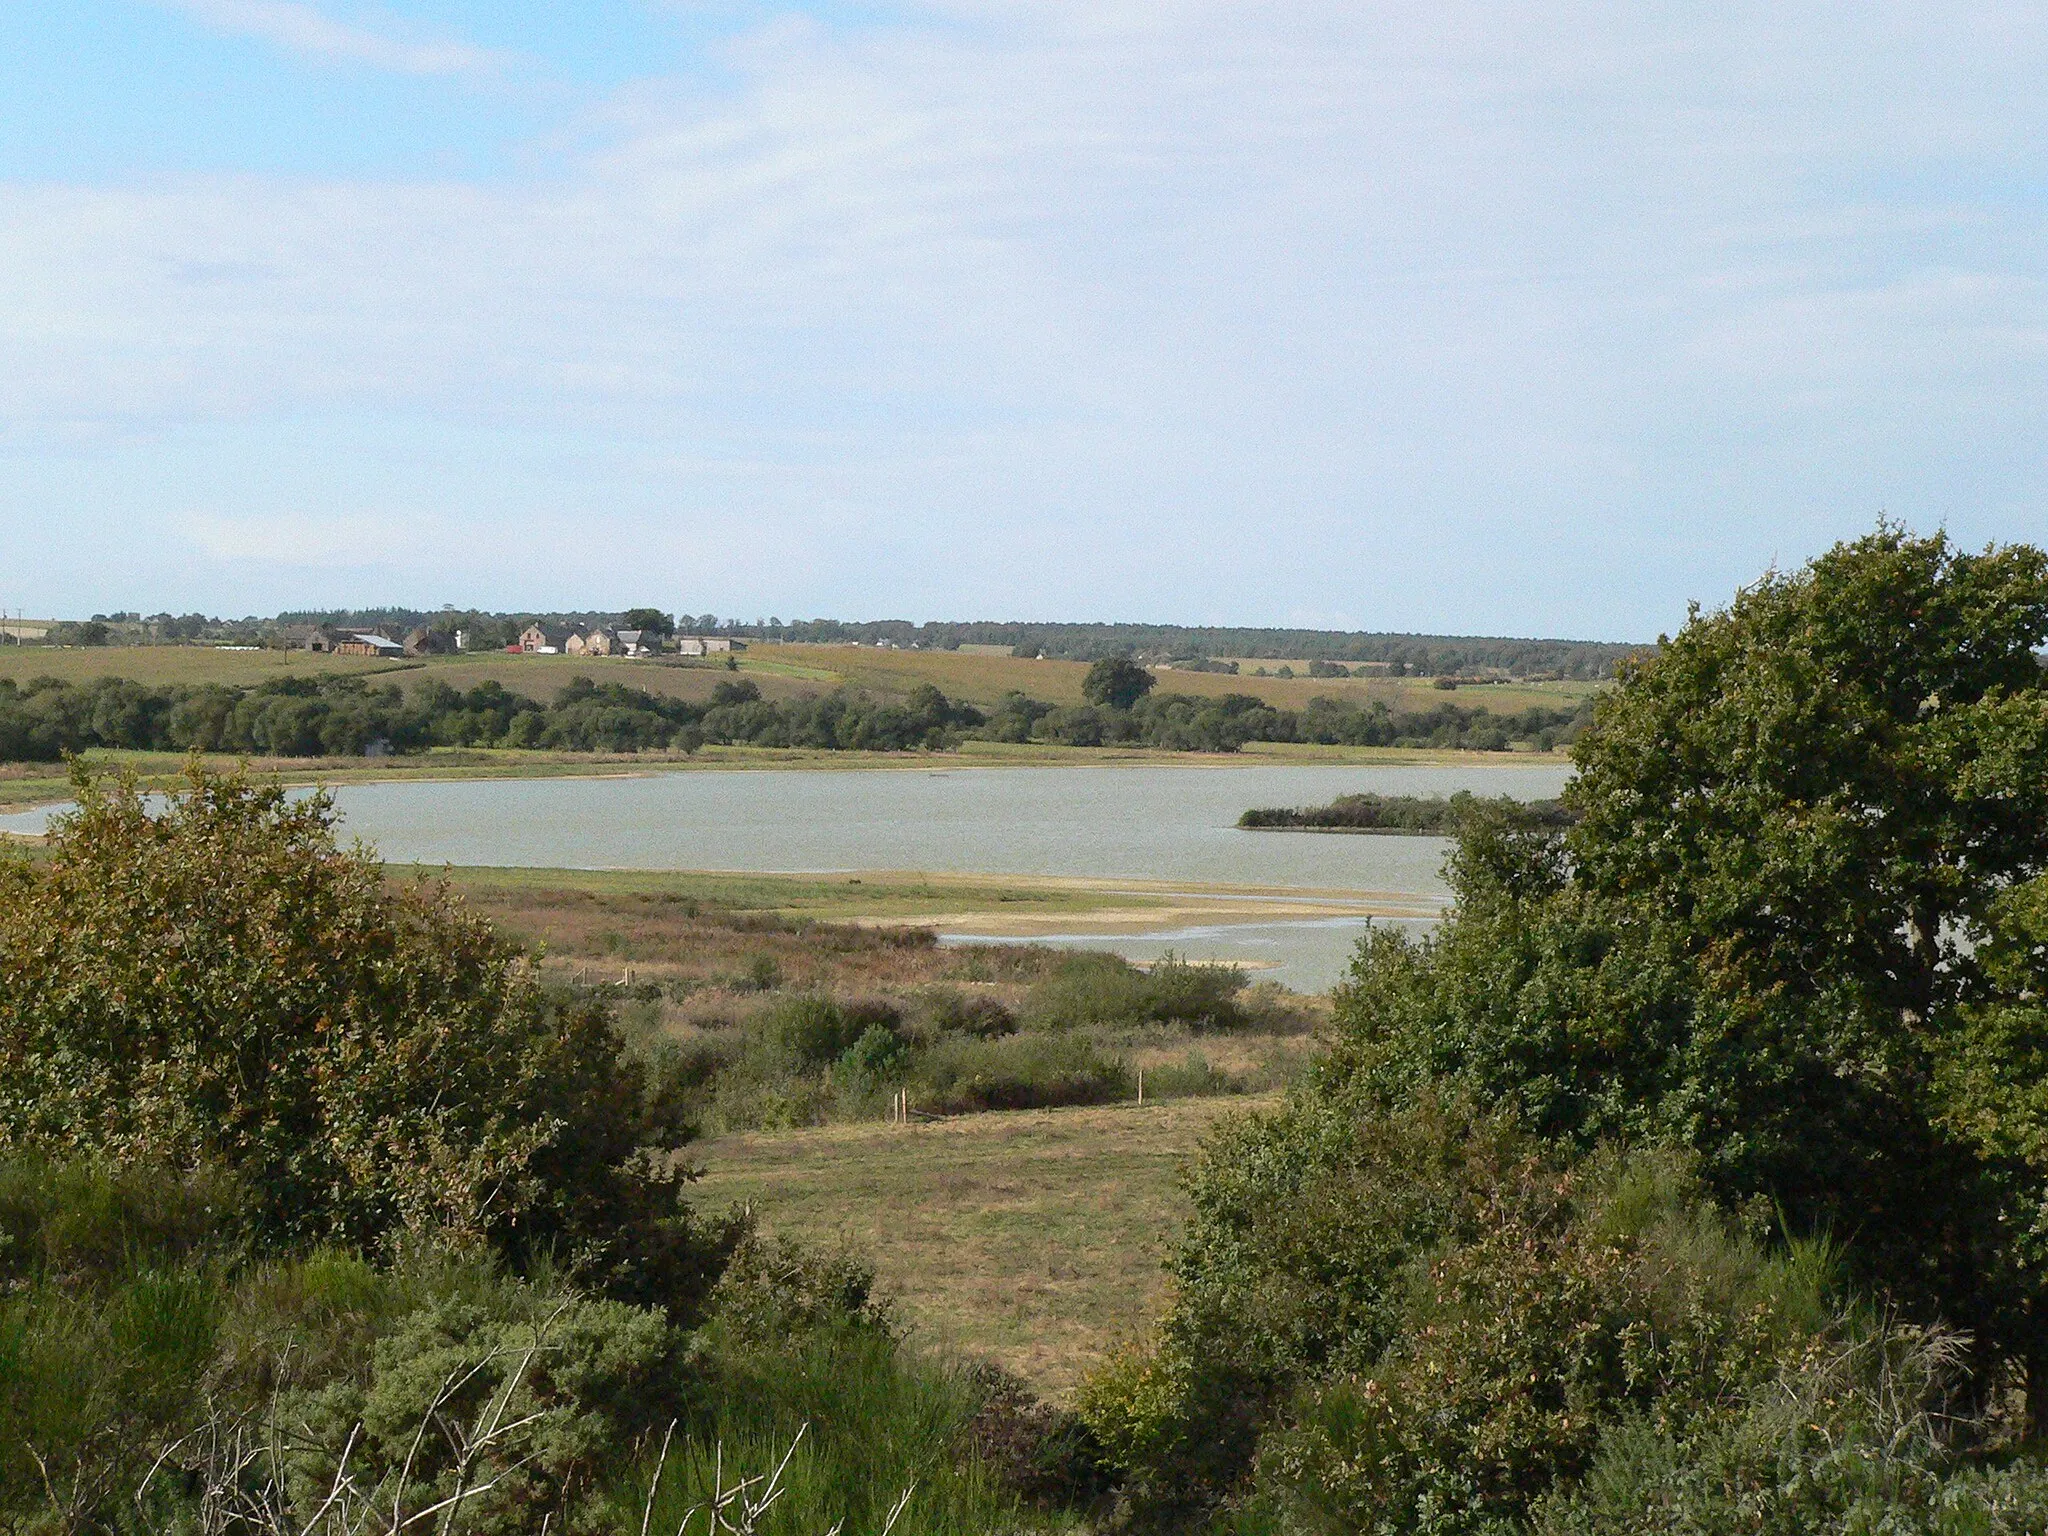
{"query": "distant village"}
{"type": "Point", "coordinates": [534, 640]}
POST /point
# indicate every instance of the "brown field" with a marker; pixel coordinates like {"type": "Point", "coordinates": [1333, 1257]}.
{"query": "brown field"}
{"type": "Point", "coordinates": [780, 671]}
{"type": "Point", "coordinates": [1034, 1238]}
{"type": "Point", "coordinates": [158, 665]}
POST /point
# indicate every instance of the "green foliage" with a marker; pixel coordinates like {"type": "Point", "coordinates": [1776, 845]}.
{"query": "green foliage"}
{"type": "Point", "coordinates": [1792, 951]}
{"type": "Point", "coordinates": [1116, 682]}
{"type": "Point", "coordinates": [1785, 931]}
{"type": "Point", "coordinates": [774, 1289]}
{"type": "Point", "coordinates": [1399, 813]}
{"type": "Point", "coordinates": [879, 1056]}
{"type": "Point", "coordinates": [214, 983]}
{"type": "Point", "coordinates": [1100, 990]}
{"type": "Point", "coordinates": [1435, 1318]}
{"type": "Point", "coordinates": [963, 1075]}
{"type": "Point", "coordinates": [533, 1397]}
{"type": "Point", "coordinates": [143, 1378]}
{"type": "Point", "coordinates": [1861, 1436]}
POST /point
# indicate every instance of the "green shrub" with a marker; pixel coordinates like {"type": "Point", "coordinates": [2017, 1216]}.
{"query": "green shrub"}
{"type": "Point", "coordinates": [1860, 1437]}
{"type": "Point", "coordinates": [1399, 1314]}
{"type": "Point", "coordinates": [530, 1400]}
{"type": "Point", "coordinates": [879, 1056]}
{"type": "Point", "coordinates": [810, 1032]}
{"type": "Point", "coordinates": [1098, 991]}
{"type": "Point", "coordinates": [961, 1076]}
{"type": "Point", "coordinates": [216, 983]}
{"type": "Point", "coordinates": [774, 1289]}
{"type": "Point", "coordinates": [947, 1012]}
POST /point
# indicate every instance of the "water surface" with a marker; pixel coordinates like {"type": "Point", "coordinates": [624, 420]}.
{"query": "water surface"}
{"type": "Point", "coordinates": [1153, 823]}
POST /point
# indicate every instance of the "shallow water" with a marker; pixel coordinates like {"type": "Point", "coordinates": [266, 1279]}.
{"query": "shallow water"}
{"type": "Point", "coordinates": [1139, 823]}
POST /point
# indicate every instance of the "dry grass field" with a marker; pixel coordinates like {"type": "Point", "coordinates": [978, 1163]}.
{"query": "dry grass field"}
{"type": "Point", "coordinates": [1034, 1238]}
{"type": "Point", "coordinates": [984, 679]}
{"type": "Point", "coordinates": [159, 665]}
{"type": "Point", "coordinates": [780, 671]}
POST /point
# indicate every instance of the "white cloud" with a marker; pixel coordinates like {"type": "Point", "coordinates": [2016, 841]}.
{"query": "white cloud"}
{"type": "Point", "coordinates": [1445, 315]}
{"type": "Point", "coordinates": [304, 28]}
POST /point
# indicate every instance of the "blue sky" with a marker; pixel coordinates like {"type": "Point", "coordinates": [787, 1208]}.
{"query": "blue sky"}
{"type": "Point", "coordinates": [1532, 319]}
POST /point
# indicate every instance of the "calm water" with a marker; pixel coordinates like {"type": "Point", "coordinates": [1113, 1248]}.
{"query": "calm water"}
{"type": "Point", "coordinates": [1146, 823]}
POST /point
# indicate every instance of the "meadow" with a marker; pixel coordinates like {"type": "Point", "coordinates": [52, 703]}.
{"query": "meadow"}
{"type": "Point", "coordinates": [1035, 1238]}
{"type": "Point", "coordinates": [780, 671]}
{"type": "Point", "coordinates": [793, 1001]}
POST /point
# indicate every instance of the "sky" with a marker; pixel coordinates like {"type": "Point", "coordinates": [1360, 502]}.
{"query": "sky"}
{"type": "Point", "coordinates": [1462, 318]}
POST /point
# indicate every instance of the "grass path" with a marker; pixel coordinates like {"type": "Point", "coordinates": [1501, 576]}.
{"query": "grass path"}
{"type": "Point", "coordinates": [1034, 1238]}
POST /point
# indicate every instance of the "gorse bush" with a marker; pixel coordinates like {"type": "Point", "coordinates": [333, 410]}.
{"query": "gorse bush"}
{"type": "Point", "coordinates": [216, 984]}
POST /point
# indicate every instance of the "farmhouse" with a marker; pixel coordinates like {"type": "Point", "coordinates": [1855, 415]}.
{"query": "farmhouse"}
{"type": "Point", "coordinates": [590, 642]}
{"type": "Point", "coordinates": [368, 643]}
{"type": "Point", "coordinates": [543, 639]}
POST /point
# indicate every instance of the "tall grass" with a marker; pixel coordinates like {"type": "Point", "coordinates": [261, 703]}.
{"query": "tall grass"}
{"type": "Point", "coordinates": [873, 1425]}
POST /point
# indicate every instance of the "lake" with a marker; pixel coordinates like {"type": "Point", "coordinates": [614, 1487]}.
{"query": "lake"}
{"type": "Point", "coordinates": [1139, 823]}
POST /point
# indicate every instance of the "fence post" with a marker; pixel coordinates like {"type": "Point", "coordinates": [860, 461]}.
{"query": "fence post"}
{"type": "Point", "coordinates": [1141, 1085]}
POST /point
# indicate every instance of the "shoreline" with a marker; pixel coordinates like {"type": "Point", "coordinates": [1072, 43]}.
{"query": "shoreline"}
{"type": "Point", "coordinates": [22, 789]}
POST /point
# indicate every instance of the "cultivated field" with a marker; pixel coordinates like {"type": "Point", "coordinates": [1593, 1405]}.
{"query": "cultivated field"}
{"type": "Point", "coordinates": [159, 665]}
{"type": "Point", "coordinates": [1034, 1238]}
{"type": "Point", "coordinates": [780, 671]}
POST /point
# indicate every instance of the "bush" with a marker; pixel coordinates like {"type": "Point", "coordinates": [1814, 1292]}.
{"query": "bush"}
{"type": "Point", "coordinates": [1394, 1314]}
{"type": "Point", "coordinates": [948, 1012]}
{"type": "Point", "coordinates": [961, 1076]}
{"type": "Point", "coordinates": [879, 1056]}
{"type": "Point", "coordinates": [1046, 1455]}
{"type": "Point", "coordinates": [531, 1399]}
{"type": "Point", "coordinates": [1862, 1436]}
{"type": "Point", "coordinates": [804, 1034]}
{"type": "Point", "coordinates": [774, 1289]}
{"type": "Point", "coordinates": [1104, 991]}
{"type": "Point", "coordinates": [217, 984]}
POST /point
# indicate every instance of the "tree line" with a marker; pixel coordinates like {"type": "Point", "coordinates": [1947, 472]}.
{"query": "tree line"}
{"type": "Point", "coordinates": [45, 719]}
{"type": "Point", "coordinates": [1420, 655]}
{"type": "Point", "coordinates": [1188, 648]}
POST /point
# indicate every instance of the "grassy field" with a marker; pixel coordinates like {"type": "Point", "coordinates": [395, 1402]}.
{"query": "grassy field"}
{"type": "Point", "coordinates": [984, 679]}
{"type": "Point", "coordinates": [185, 664]}
{"type": "Point", "coordinates": [780, 671]}
{"type": "Point", "coordinates": [1034, 1238]}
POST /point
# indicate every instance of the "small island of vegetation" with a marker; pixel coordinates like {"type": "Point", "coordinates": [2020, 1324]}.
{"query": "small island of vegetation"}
{"type": "Point", "coordinates": [1411, 815]}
